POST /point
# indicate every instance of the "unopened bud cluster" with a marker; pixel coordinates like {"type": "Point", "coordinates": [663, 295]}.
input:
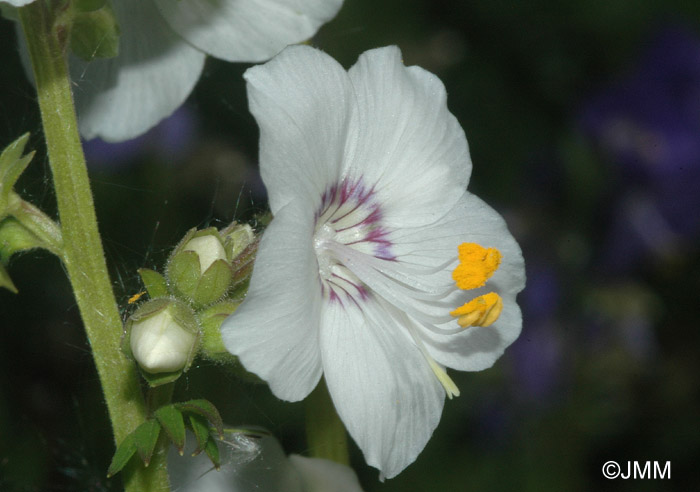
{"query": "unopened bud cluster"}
{"type": "Point", "coordinates": [205, 280]}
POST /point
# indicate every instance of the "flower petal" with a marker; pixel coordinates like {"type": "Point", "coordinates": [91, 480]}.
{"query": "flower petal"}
{"type": "Point", "coordinates": [470, 220]}
{"type": "Point", "coordinates": [17, 3]}
{"type": "Point", "coordinates": [247, 30]}
{"type": "Point", "coordinates": [382, 387]}
{"type": "Point", "coordinates": [275, 331]}
{"type": "Point", "coordinates": [300, 100]}
{"type": "Point", "coordinates": [319, 475]}
{"type": "Point", "coordinates": [409, 146]}
{"type": "Point", "coordinates": [120, 98]}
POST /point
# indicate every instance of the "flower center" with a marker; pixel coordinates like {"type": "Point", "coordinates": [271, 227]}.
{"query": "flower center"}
{"type": "Point", "coordinates": [350, 214]}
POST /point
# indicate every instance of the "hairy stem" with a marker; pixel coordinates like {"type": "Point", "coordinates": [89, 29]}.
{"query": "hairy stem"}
{"type": "Point", "coordinates": [325, 433]}
{"type": "Point", "coordinates": [82, 247]}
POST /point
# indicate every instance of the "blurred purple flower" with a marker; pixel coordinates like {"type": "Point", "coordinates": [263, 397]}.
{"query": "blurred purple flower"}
{"type": "Point", "coordinates": [169, 141]}
{"type": "Point", "coordinates": [648, 122]}
{"type": "Point", "coordinates": [537, 356]}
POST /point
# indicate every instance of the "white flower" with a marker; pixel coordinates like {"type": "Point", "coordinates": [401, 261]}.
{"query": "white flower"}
{"type": "Point", "coordinates": [162, 49]}
{"type": "Point", "coordinates": [366, 172]}
{"type": "Point", "coordinates": [17, 3]}
{"type": "Point", "coordinates": [256, 464]}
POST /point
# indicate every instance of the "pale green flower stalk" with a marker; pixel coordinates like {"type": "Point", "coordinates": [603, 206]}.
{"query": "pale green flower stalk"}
{"type": "Point", "coordinates": [82, 248]}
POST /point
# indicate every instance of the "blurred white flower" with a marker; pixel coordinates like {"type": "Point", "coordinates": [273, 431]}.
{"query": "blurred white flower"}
{"type": "Point", "coordinates": [17, 3]}
{"type": "Point", "coordinates": [378, 270]}
{"type": "Point", "coordinates": [256, 464]}
{"type": "Point", "coordinates": [162, 48]}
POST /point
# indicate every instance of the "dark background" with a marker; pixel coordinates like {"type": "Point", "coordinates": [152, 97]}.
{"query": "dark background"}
{"type": "Point", "coordinates": [583, 120]}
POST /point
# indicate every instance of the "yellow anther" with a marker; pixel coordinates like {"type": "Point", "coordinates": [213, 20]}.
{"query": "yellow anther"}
{"type": "Point", "coordinates": [482, 311]}
{"type": "Point", "coordinates": [476, 265]}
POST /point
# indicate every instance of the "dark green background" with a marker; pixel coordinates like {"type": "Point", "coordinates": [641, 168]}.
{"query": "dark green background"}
{"type": "Point", "coordinates": [518, 75]}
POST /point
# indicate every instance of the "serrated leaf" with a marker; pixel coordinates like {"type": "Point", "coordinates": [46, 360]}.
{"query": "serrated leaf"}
{"type": "Point", "coordinates": [212, 450]}
{"type": "Point", "coordinates": [146, 436]}
{"type": "Point", "coordinates": [206, 409]}
{"type": "Point", "coordinates": [12, 165]}
{"type": "Point", "coordinates": [155, 283]}
{"type": "Point", "coordinates": [6, 281]}
{"type": "Point", "coordinates": [213, 283]}
{"type": "Point", "coordinates": [172, 422]}
{"type": "Point", "coordinates": [122, 455]}
{"type": "Point", "coordinates": [200, 428]}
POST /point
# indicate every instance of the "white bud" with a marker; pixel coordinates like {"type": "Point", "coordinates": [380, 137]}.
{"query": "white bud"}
{"type": "Point", "coordinates": [159, 344]}
{"type": "Point", "coordinates": [208, 248]}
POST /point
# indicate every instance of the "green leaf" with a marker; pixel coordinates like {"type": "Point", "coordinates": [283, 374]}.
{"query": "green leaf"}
{"type": "Point", "coordinates": [213, 283]}
{"type": "Point", "coordinates": [122, 455]}
{"type": "Point", "coordinates": [200, 428]}
{"type": "Point", "coordinates": [206, 409]}
{"type": "Point", "coordinates": [12, 165]}
{"type": "Point", "coordinates": [171, 420]}
{"type": "Point", "coordinates": [212, 451]}
{"type": "Point", "coordinates": [146, 436]}
{"type": "Point", "coordinates": [6, 281]}
{"type": "Point", "coordinates": [155, 283]}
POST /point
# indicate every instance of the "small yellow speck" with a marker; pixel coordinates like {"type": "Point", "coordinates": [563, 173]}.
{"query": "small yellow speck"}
{"type": "Point", "coordinates": [135, 297]}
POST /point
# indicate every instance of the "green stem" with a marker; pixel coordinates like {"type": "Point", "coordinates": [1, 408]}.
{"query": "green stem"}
{"type": "Point", "coordinates": [82, 248]}
{"type": "Point", "coordinates": [325, 432]}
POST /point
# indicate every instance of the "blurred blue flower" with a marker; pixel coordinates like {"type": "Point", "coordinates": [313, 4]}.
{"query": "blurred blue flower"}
{"type": "Point", "coordinates": [169, 141]}
{"type": "Point", "coordinates": [648, 123]}
{"type": "Point", "coordinates": [536, 358]}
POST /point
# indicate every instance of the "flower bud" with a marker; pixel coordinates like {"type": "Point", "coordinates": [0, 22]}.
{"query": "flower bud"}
{"type": "Point", "coordinates": [199, 270]}
{"type": "Point", "coordinates": [208, 249]}
{"type": "Point", "coordinates": [237, 237]}
{"type": "Point", "coordinates": [163, 336]}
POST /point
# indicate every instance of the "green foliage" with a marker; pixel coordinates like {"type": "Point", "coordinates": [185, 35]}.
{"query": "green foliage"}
{"type": "Point", "coordinates": [203, 419]}
{"type": "Point", "coordinates": [12, 165]}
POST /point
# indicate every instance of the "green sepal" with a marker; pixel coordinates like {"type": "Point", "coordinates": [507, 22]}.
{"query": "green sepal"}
{"type": "Point", "coordinates": [171, 420]}
{"type": "Point", "coordinates": [6, 281]}
{"type": "Point", "coordinates": [200, 429]}
{"type": "Point", "coordinates": [122, 455]}
{"type": "Point", "coordinates": [12, 165]}
{"type": "Point", "coordinates": [155, 283]}
{"type": "Point", "coordinates": [183, 273]}
{"type": "Point", "coordinates": [210, 319]}
{"type": "Point", "coordinates": [212, 451]}
{"type": "Point", "coordinates": [160, 378]}
{"type": "Point", "coordinates": [146, 436]}
{"type": "Point", "coordinates": [206, 409]}
{"type": "Point", "coordinates": [95, 32]}
{"type": "Point", "coordinates": [213, 283]}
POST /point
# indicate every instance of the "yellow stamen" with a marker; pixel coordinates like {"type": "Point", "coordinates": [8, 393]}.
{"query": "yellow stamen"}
{"type": "Point", "coordinates": [476, 265]}
{"type": "Point", "coordinates": [482, 311]}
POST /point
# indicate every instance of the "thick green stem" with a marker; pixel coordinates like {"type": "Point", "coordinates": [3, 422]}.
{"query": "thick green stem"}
{"type": "Point", "coordinates": [325, 433]}
{"type": "Point", "coordinates": [82, 248]}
